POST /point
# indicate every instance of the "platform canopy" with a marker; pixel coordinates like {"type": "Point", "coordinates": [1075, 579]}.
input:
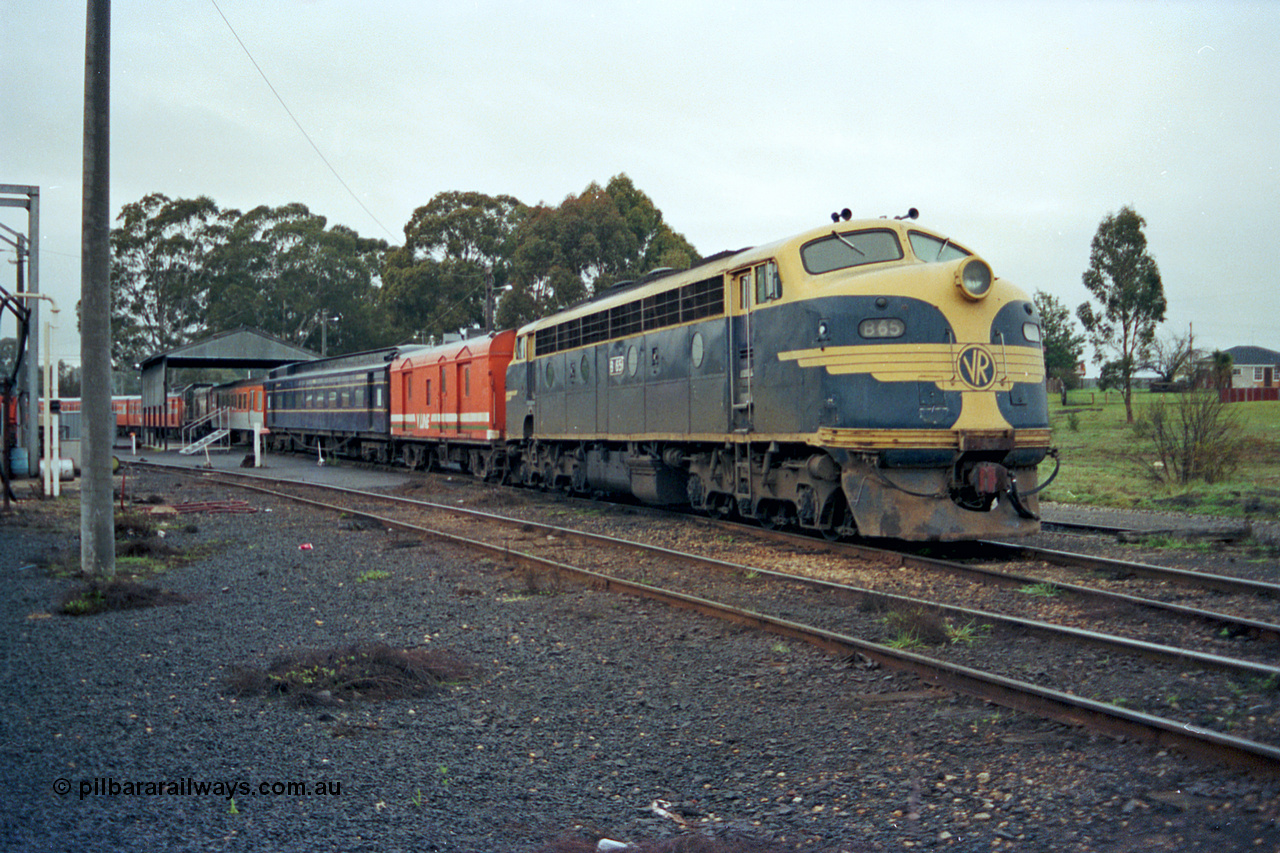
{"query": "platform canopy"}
{"type": "Point", "coordinates": [241, 349]}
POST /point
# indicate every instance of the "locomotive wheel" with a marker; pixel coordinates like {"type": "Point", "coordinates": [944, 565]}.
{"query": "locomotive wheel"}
{"type": "Point", "coordinates": [841, 525]}
{"type": "Point", "coordinates": [773, 515]}
{"type": "Point", "coordinates": [414, 456]}
{"type": "Point", "coordinates": [719, 505]}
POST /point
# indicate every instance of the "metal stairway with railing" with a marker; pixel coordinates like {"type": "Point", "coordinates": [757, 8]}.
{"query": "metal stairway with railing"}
{"type": "Point", "coordinates": [218, 419]}
{"type": "Point", "coordinates": [197, 446]}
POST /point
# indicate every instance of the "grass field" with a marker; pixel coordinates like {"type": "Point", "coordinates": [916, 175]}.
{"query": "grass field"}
{"type": "Point", "coordinates": [1106, 462]}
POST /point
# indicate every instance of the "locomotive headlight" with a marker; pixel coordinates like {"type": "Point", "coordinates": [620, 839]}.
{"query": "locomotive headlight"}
{"type": "Point", "coordinates": [973, 277]}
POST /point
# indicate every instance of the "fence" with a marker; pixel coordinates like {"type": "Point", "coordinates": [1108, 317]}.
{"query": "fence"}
{"type": "Point", "coordinates": [1247, 395]}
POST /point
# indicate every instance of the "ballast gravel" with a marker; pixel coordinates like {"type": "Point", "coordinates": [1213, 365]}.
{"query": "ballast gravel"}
{"type": "Point", "coordinates": [589, 716]}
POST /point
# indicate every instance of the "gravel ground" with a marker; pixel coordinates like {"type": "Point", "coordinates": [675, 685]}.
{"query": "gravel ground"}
{"type": "Point", "coordinates": [585, 709]}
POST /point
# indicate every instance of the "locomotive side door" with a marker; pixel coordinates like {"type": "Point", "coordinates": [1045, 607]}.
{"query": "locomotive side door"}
{"type": "Point", "coordinates": [741, 353]}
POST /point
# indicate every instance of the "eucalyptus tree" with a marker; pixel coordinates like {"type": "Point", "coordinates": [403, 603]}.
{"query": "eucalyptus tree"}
{"type": "Point", "coordinates": [1124, 279]}
{"type": "Point", "coordinates": [1062, 342]}
{"type": "Point", "coordinates": [160, 274]}
{"type": "Point", "coordinates": [281, 270]}
{"type": "Point", "coordinates": [455, 258]}
{"type": "Point", "coordinates": [587, 243]}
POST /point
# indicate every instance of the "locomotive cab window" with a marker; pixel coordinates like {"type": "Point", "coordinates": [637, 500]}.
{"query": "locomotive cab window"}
{"type": "Point", "coordinates": [932, 250]}
{"type": "Point", "coordinates": [758, 285]}
{"type": "Point", "coordinates": [842, 250]}
{"type": "Point", "coordinates": [768, 285]}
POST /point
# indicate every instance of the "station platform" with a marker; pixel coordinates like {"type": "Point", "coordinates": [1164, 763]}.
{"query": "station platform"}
{"type": "Point", "coordinates": [294, 466]}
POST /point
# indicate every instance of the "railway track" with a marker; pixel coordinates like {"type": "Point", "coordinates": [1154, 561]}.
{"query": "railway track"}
{"type": "Point", "coordinates": [992, 652]}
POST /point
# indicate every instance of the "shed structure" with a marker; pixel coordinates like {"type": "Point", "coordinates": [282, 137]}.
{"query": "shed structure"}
{"type": "Point", "coordinates": [241, 349]}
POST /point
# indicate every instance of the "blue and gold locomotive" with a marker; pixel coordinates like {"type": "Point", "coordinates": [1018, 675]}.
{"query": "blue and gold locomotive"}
{"type": "Point", "coordinates": [870, 377]}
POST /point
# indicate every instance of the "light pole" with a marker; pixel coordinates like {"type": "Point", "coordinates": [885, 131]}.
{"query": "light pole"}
{"type": "Point", "coordinates": [51, 481]}
{"type": "Point", "coordinates": [325, 320]}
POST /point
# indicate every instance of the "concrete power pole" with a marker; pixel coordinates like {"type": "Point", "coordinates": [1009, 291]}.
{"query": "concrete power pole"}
{"type": "Point", "coordinates": [97, 523]}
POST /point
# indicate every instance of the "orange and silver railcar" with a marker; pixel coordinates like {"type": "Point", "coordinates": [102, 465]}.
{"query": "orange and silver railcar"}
{"type": "Point", "coordinates": [448, 404]}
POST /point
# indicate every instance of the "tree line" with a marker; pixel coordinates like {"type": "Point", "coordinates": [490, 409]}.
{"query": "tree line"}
{"type": "Point", "coordinates": [184, 269]}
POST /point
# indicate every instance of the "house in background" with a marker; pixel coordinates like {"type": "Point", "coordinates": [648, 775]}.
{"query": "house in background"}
{"type": "Point", "coordinates": [1254, 367]}
{"type": "Point", "coordinates": [1255, 375]}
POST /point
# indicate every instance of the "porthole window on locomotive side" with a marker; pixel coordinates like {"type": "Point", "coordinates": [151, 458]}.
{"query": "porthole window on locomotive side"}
{"type": "Point", "coordinates": [696, 349]}
{"type": "Point", "coordinates": [633, 360]}
{"type": "Point", "coordinates": [586, 369]}
{"type": "Point", "coordinates": [551, 374]}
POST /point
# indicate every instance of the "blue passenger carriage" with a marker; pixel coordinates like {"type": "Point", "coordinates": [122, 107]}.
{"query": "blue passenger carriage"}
{"type": "Point", "coordinates": [337, 405]}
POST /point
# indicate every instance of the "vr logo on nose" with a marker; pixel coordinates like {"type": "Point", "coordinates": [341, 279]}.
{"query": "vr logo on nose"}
{"type": "Point", "coordinates": [976, 366]}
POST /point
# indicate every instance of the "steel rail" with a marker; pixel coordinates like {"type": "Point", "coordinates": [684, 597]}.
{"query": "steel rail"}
{"type": "Point", "coordinates": [1256, 628]}
{"type": "Point", "coordinates": [1011, 693]}
{"type": "Point", "coordinates": [1085, 528]}
{"type": "Point", "coordinates": [1138, 648]}
{"type": "Point", "coordinates": [1202, 580]}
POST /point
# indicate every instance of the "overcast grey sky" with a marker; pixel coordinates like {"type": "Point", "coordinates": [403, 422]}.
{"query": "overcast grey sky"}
{"type": "Point", "coordinates": [1015, 127]}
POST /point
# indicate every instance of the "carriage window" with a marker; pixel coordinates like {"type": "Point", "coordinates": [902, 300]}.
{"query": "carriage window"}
{"type": "Point", "coordinates": [852, 249]}
{"type": "Point", "coordinates": [466, 381]}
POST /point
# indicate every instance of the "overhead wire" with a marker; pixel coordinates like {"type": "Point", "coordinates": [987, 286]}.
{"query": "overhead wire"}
{"type": "Point", "coordinates": [297, 123]}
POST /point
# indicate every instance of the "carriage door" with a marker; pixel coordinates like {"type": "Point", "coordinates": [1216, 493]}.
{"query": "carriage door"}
{"type": "Point", "coordinates": [463, 394]}
{"type": "Point", "coordinates": [741, 353]}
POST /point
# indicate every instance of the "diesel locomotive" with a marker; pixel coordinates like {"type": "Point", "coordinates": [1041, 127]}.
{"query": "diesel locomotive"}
{"type": "Point", "coordinates": [869, 378]}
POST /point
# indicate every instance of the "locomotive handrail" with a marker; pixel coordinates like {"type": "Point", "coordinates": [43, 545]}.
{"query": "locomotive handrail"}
{"type": "Point", "coordinates": [951, 346]}
{"type": "Point", "coordinates": [1004, 356]}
